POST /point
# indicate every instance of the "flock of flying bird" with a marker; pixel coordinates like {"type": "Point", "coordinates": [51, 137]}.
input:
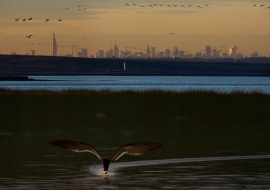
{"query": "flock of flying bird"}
{"type": "Point", "coordinates": [47, 20]}
{"type": "Point", "coordinates": [183, 6]}
{"type": "Point", "coordinates": [256, 5]}
{"type": "Point", "coordinates": [163, 5]}
{"type": "Point", "coordinates": [58, 46]}
{"type": "Point", "coordinates": [81, 8]}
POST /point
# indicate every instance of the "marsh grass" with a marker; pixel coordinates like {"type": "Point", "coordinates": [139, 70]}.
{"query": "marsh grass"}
{"type": "Point", "coordinates": [4, 91]}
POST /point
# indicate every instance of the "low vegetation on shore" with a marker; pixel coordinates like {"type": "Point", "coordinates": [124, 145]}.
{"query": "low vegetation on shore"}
{"type": "Point", "coordinates": [4, 91]}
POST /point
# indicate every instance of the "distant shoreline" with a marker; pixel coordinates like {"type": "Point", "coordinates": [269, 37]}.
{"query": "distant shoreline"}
{"type": "Point", "coordinates": [15, 78]}
{"type": "Point", "coordinates": [4, 91]}
{"type": "Point", "coordinates": [22, 65]}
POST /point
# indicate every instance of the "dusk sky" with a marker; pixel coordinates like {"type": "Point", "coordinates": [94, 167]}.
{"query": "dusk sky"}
{"type": "Point", "coordinates": [221, 23]}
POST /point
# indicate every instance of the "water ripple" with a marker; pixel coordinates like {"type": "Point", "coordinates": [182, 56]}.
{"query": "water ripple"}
{"type": "Point", "coordinates": [98, 169]}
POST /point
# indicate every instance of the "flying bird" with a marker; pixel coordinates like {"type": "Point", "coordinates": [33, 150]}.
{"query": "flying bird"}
{"type": "Point", "coordinates": [254, 5]}
{"type": "Point", "coordinates": [16, 19]}
{"type": "Point", "coordinates": [24, 19]}
{"type": "Point", "coordinates": [60, 20]}
{"type": "Point", "coordinates": [47, 20]}
{"type": "Point", "coordinates": [262, 6]}
{"type": "Point", "coordinates": [127, 4]}
{"type": "Point", "coordinates": [199, 6]}
{"type": "Point", "coordinates": [30, 18]}
{"type": "Point", "coordinates": [132, 149]}
{"type": "Point", "coordinates": [29, 36]}
{"type": "Point", "coordinates": [171, 33]}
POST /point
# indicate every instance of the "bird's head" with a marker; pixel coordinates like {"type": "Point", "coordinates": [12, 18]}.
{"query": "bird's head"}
{"type": "Point", "coordinates": [106, 162]}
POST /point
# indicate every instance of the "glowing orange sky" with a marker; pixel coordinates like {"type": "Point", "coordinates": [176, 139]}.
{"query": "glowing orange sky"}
{"type": "Point", "coordinates": [222, 23]}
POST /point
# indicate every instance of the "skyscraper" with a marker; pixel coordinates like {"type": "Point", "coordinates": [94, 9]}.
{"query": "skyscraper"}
{"type": "Point", "coordinates": [54, 46]}
{"type": "Point", "coordinates": [175, 52]}
{"type": "Point", "coordinates": [147, 54]}
{"type": "Point", "coordinates": [109, 53]}
{"type": "Point", "coordinates": [232, 52]}
{"type": "Point", "coordinates": [115, 51]}
{"type": "Point", "coordinates": [33, 52]}
{"type": "Point", "coordinates": [84, 52]}
{"type": "Point", "coordinates": [215, 53]}
{"type": "Point", "coordinates": [100, 54]}
{"type": "Point", "coordinates": [167, 53]}
{"type": "Point", "coordinates": [208, 51]}
{"type": "Point", "coordinates": [153, 52]}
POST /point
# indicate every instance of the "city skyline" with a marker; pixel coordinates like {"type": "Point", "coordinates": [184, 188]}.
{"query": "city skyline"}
{"type": "Point", "coordinates": [149, 52]}
{"type": "Point", "coordinates": [102, 23]}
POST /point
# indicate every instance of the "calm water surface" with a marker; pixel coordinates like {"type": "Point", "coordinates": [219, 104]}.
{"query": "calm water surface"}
{"type": "Point", "coordinates": [208, 142]}
{"type": "Point", "coordinates": [139, 83]}
{"type": "Point", "coordinates": [230, 172]}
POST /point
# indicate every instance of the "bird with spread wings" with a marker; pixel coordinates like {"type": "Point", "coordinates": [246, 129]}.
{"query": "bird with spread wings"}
{"type": "Point", "coordinates": [132, 149]}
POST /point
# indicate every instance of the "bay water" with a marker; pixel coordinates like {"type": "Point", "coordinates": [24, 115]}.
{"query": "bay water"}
{"type": "Point", "coordinates": [141, 83]}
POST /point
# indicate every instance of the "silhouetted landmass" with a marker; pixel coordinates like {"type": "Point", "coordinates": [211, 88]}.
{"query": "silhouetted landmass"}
{"type": "Point", "coordinates": [14, 78]}
{"type": "Point", "coordinates": [46, 65]}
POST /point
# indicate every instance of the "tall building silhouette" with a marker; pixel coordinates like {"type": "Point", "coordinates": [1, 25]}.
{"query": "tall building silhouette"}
{"type": "Point", "coordinates": [153, 52]}
{"type": "Point", "coordinates": [232, 52]}
{"type": "Point", "coordinates": [33, 52]}
{"type": "Point", "coordinates": [109, 53]}
{"type": "Point", "coordinates": [175, 52]}
{"type": "Point", "coordinates": [54, 46]}
{"type": "Point", "coordinates": [208, 51]}
{"type": "Point", "coordinates": [167, 53]}
{"type": "Point", "coordinates": [147, 54]}
{"type": "Point", "coordinates": [115, 51]}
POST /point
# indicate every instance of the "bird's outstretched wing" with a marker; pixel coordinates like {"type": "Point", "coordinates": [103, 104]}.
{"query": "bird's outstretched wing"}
{"type": "Point", "coordinates": [136, 149]}
{"type": "Point", "coordinates": [76, 147]}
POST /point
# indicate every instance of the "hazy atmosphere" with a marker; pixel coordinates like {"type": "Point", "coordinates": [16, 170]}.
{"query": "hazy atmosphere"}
{"type": "Point", "coordinates": [96, 25]}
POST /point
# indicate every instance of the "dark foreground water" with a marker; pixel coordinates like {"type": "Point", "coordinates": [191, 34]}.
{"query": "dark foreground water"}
{"type": "Point", "coordinates": [233, 172]}
{"type": "Point", "coordinates": [209, 141]}
{"type": "Point", "coordinates": [138, 83]}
